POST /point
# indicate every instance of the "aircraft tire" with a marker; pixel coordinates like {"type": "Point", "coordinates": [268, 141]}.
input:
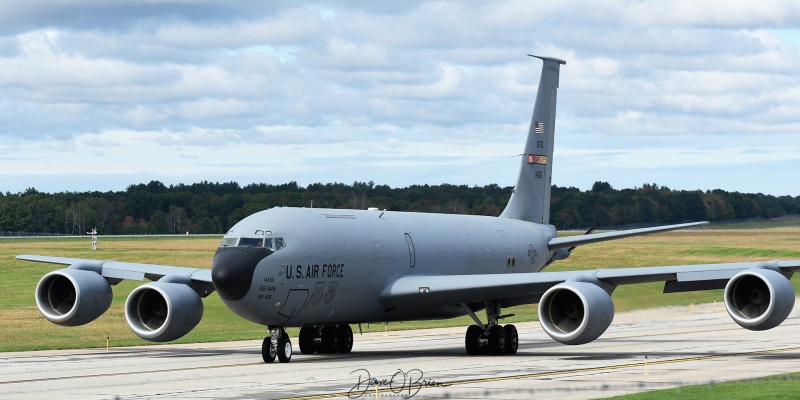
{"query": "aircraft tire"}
{"type": "Point", "coordinates": [328, 342]}
{"type": "Point", "coordinates": [306, 339]}
{"type": "Point", "coordinates": [497, 340]}
{"type": "Point", "coordinates": [344, 339]}
{"type": "Point", "coordinates": [472, 340]}
{"type": "Point", "coordinates": [284, 348]}
{"type": "Point", "coordinates": [267, 353]}
{"type": "Point", "coordinates": [512, 339]}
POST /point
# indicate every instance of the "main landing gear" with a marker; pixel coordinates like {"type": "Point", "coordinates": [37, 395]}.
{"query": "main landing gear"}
{"type": "Point", "coordinates": [276, 344]}
{"type": "Point", "coordinates": [326, 339]}
{"type": "Point", "coordinates": [491, 338]}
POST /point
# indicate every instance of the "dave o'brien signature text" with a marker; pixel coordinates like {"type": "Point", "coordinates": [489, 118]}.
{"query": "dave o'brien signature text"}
{"type": "Point", "coordinates": [407, 383]}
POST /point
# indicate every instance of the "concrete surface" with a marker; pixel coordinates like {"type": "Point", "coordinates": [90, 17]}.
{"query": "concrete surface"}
{"type": "Point", "coordinates": [682, 345]}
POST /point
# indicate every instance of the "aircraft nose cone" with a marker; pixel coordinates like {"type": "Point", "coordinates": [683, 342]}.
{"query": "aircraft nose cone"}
{"type": "Point", "coordinates": [232, 271]}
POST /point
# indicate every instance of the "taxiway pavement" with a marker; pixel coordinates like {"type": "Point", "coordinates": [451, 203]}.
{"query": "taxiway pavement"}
{"type": "Point", "coordinates": [642, 350]}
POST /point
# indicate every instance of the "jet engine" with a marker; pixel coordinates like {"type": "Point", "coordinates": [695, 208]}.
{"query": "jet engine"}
{"type": "Point", "coordinates": [163, 311]}
{"type": "Point", "coordinates": [759, 299]}
{"type": "Point", "coordinates": [73, 297]}
{"type": "Point", "coordinates": [575, 312]}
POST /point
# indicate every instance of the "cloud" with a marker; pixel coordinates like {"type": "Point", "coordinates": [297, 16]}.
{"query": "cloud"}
{"type": "Point", "coordinates": [191, 80]}
{"type": "Point", "coordinates": [716, 13]}
{"type": "Point", "coordinates": [347, 55]}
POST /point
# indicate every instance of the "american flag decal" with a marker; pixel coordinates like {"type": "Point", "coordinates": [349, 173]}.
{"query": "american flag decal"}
{"type": "Point", "coordinates": [538, 127]}
{"type": "Point", "coordinates": [534, 159]}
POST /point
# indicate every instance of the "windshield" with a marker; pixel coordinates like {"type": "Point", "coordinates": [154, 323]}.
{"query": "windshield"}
{"type": "Point", "coordinates": [273, 244]}
{"type": "Point", "coordinates": [251, 242]}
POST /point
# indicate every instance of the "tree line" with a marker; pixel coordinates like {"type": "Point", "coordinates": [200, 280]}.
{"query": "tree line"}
{"type": "Point", "coordinates": [212, 208]}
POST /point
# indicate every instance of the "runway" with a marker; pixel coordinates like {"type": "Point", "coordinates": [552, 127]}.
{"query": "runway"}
{"type": "Point", "coordinates": [682, 345]}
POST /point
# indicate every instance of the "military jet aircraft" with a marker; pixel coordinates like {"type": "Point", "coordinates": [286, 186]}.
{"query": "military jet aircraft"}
{"type": "Point", "coordinates": [325, 269]}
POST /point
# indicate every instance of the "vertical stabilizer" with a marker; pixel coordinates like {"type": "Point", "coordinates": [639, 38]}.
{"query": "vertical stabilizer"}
{"type": "Point", "coordinates": [530, 200]}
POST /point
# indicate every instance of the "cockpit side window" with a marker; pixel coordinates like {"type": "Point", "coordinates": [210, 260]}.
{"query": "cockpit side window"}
{"type": "Point", "coordinates": [279, 244]}
{"type": "Point", "coordinates": [228, 242]}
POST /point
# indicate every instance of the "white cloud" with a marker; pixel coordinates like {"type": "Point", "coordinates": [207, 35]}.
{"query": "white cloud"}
{"type": "Point", "coordinates": [290, 27]}
{"type": "Point", "coordinates": [447, 84]}
{"type": "Point", "coordinates": [209, 108]}
{"type": "Point", "coordinates": [345, 54]}
{"type": "Point", "coordinates": [387, 90]}
{"type": "Point", "coordinates": [713, 13]}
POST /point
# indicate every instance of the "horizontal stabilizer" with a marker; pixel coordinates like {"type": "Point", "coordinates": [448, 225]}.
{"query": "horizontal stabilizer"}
{"type": "Point", "coordinates": [570, 241]}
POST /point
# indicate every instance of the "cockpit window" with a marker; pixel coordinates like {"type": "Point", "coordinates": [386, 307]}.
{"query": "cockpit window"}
{"type": "Point", "coordinates": [228, 242]}
{"type": "Point", "coordinates": [251, 242]}
{"type": "Point", "coordinates": [273, 244]}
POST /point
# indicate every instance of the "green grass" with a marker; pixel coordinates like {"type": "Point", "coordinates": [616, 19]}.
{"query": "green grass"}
{"type": "Point", "coordinates": [23, 328]}
{"type": "Point", "coordinates": [791, 221]}
{"type": "Point", "coordinates": [772, 387]}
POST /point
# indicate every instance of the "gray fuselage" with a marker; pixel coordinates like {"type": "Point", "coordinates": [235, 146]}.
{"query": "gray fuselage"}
{"type": "Point", "coordinates": [335, 263]}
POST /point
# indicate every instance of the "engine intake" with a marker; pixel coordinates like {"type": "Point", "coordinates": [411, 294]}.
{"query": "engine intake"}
{"type": "Point", "coordinates": [575, 312]}
{"type": "Point", "coordinates": [163, 311]}
{"type": "Point", "coordinates": [73, 297]}
{"type": "Point", "coordinates": [759, 299]}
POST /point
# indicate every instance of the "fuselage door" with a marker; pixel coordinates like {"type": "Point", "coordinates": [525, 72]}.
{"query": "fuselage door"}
{"type": "Point", "coordinates": [294, 303]}
{"type": "Point", "coordinates": [411, 252]}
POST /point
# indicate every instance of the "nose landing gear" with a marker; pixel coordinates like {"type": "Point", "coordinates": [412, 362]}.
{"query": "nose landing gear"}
{"type": "Point", "coordinates": [276, 344]}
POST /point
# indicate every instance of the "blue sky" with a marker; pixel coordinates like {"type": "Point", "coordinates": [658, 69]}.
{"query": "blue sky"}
{"type": "Point", "coordinates": [685, 94]}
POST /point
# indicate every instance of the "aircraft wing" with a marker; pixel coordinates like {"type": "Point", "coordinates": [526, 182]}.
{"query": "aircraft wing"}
{"type": "Point", "coordinates": [441, 290]}
{"type": "Point", "coordinates": [116, 270]}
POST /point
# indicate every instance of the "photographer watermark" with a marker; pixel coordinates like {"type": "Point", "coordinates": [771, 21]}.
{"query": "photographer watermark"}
{"type": "Point", "coordinates": [405, 384]}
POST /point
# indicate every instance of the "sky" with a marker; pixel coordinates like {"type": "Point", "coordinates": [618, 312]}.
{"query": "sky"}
{"type": "Point", "coordinates": [692, 95]}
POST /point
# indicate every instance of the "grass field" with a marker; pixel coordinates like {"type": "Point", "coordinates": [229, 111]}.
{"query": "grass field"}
{"type": "Point", "coordinates": [788, 221]}
{"type": "Point", "coordinates": [771, 387]}
{"type": "Point", "coordinates": [23, 328]}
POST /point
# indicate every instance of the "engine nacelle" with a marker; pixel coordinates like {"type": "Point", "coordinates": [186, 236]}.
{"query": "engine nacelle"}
{"type": "Point", "coordinates": [575, 312]}
{"type": "Point", "coordinates": [759, 299]}
{"type": "Point", "coordinates": [163, 311]}
{"type": "Point", "coordinates": [73, 297]}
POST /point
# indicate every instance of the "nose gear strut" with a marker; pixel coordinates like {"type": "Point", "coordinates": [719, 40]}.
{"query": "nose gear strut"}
{"type": "Point", "coordinates": [276, 344]}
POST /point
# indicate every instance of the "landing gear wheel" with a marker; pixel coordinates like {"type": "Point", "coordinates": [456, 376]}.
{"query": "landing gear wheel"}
{"type": "Point", "coordinates": [472, 340]}
{"type": "Point", "coordinates": [497, 340]}
{"type": "Point", "coordinates": [267, 352]}
{"type": "Point", "coordinates": [284, 348]}
{"type": "Point", "coordinates": [328, 339]}
{"type": "Point", "coordinates": [512, 339]}
{"type": "Point", "coordinates": [344, 338]}
{"type": "Point", "coordinates": [307, 345]}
